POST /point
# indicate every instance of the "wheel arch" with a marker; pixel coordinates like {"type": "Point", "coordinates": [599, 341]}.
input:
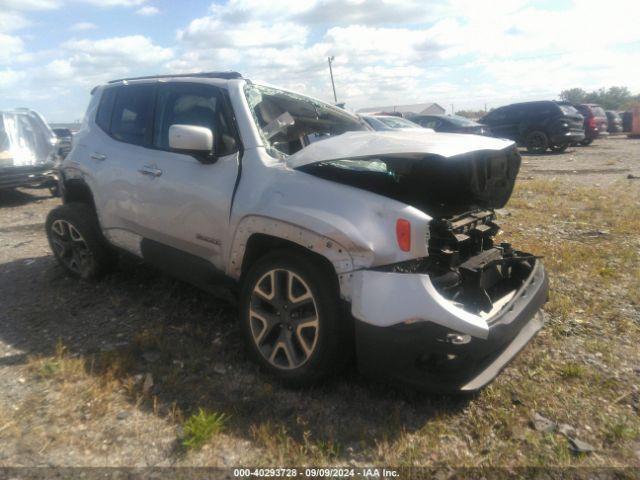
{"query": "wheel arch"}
{"type": "Point", "coordinates": [259, 244]}
{"type": "Point", "coordinates": [78, 191]}
{"type": "Point", "coordinates": [257, 235]}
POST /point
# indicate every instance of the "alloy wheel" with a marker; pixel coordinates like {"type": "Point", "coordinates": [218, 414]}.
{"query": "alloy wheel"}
{"type": "Point", "coordinates": [71, 248]}
{"type": "Point", "coordinates": [283, 317]}
{"type": "Point", "coordinates": [537, 142]}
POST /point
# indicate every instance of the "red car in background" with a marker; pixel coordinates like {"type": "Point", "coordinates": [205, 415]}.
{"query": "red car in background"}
{"type": "Point", "coordinates": [595, 122]}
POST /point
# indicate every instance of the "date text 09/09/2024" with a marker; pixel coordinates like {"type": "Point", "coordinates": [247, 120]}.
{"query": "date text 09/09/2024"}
{"type": "Point", "coordinates": [316, 472]}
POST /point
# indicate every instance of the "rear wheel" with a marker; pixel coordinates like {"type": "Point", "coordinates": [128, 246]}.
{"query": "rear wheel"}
{"type": "Point", "coordinates": [586, 141]}
{"type": "Point", "coordinates": [536, 142]}
{"type": "Point", "coordinates": [559, 148]}
{"type": "Point", "coordinates": [291, 318]}
{"type": "Point", "coordinates": [77, 242]}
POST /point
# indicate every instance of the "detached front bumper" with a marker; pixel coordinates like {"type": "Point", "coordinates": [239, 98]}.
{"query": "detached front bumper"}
{"type": "Point", "coordinates": [407, 332]}
{"type": "Point", "coordinates": [38, 176]}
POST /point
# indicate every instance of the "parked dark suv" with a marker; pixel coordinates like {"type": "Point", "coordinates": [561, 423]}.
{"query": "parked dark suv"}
{"type": "Point", "coordinates": [537, 125]}
{"type": "Point", "coordinates": [595, 122]}
{"type": "Point", "coordinates": [614, 122]}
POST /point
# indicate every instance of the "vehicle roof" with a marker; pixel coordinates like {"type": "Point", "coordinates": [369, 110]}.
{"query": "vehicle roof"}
{"type": "Point", "coordinates": [533, 102]}
{"type": "Point", "coordinates": [209, 77]}
{"type": "Point", "coordinates": [446, 116]}
{"type": "Point", "coordinates": [590, 105]}
{"type": "Point", "coordinates": [379, 116]}
{"type": "Point", "coordinates": [230, 75]}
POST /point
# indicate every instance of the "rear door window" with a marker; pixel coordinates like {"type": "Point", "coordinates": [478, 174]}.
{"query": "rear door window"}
{"type": "Point", "coordinates": [543, 109]}
{"type": "Point", "coordinates": [132, 112]}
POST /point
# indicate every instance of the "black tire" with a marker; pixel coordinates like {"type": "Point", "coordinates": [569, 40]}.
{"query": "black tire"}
{"type": "Point", "coordinates": [586, 142]}
{"type": "Point", "coordinates": [536, 142]}
{"type": "Point", "coordinates": [333, 344]}
{"type": "Point", "coordinates": [559, 148]}
{"type": "Point", "coordinates": [77, 242]}
{"type": "Point", "coordinates": [54, 190]}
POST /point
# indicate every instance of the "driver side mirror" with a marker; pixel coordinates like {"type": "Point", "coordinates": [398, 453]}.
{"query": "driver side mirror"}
{"type": "Point", "coordinates": [192, 139]}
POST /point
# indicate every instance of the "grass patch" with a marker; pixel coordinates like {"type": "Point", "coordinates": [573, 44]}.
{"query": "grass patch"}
{"type": "Point", "coordinates": [572, 370]}
{"type": "Point", "coordinates": [620, 431]}
{"type": "Point", "coordinates": [202, 427]}
{"type": "Point", "coordinates": [49, 368]}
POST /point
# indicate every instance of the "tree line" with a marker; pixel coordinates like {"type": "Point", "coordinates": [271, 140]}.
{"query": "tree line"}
{"type": "Point", "coordinates": [613, 98]}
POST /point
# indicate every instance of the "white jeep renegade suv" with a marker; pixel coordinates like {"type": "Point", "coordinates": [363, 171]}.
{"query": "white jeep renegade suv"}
{"type": "Point", "coordinates": [340, 239]}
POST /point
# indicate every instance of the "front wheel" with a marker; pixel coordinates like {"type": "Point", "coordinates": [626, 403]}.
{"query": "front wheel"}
{"type": "Point", "coordinates": [291, 318]}
{"type": "Point", "coordinates": [77, 242]}
{"type": "Point", "coordinates": [536, 142]}
{"type": "Point", "coordinates": [559, 148]}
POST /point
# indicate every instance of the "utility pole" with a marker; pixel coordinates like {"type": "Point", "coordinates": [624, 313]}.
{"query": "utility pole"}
{"type": "Point", "coordinates": [452, 109]}
{"type": "Point", "coordinates": [333, 85]}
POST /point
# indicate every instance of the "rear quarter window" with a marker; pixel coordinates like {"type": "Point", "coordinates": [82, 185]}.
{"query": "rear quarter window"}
{"type": "Point", "coordinates": [568, 110]}
{"type": "Point", "coordinates": [496, 116]}
{"type": "Point", "coordinates": [105, 109]}
{"type": "Point", "coordinates": [429, 122]}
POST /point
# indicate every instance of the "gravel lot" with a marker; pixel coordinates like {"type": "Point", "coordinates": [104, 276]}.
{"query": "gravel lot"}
{"type": "Point", "coordinates": [106, 374]}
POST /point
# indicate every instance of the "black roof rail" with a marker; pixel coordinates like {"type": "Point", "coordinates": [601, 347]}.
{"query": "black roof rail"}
{"type": "Point", "coordinates": [230, 75]}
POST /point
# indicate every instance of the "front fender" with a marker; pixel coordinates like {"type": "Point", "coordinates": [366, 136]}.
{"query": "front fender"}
{"type": "Point", "coordinates": [337, 254]}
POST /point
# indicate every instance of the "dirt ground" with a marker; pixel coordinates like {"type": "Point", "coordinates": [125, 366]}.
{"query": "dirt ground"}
{"type": "Point", "coordinates": [107, 374]}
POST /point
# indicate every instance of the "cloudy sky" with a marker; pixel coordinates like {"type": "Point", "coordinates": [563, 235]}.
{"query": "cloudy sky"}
{"type": "Point", "coordinates": [461, 52]}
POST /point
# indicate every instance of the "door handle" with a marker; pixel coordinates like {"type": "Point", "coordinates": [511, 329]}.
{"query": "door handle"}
{"type": "Point", "coordinates": [98, 156]}
{"type": "Point", "coordinates": [151, 171]}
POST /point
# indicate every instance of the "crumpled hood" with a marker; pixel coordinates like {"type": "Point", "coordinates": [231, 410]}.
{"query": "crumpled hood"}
{"type": "Point", "coordinates": [398, 142]}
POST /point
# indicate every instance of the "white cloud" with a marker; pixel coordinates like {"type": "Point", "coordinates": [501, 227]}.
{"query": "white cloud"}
{"type": "Point", "coordinates": [23, 5]}
{"type": "Point", "coordinates": [148, 11]}
{"type": "Point", "coordinates": [10, 47]}
{"type": "Point", "coordinates": [210, 32]}
{"type": "Point", "coordinates": [516, 47]}
{"type": "Point", "coordinates": [11, 21]}
{"type": "Point", "coordinates": [329, 12]}
{"type": "Point", "coordinates": [115, 3]}
{"type": "Point", "coordinates": [9, 79]}
{"type": "Point", "coordinates": [131, 51]}
{"type": "Point", "coordinates": [90, 62]}
{"type": "Point", "coordinates": [386, 51]}
{"type": "Point", "coordinates": [82, 26]}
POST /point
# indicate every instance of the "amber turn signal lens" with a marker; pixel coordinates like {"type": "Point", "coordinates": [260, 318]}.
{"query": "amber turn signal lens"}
{"type": "Point", "coordinates": [403, 234]}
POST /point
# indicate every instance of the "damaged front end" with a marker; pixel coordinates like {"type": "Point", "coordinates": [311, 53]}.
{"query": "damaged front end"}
{"type": "Point", "coordinates": [465, 264]}
{"type": "Point", "coordinates": [451, 320]}
{"type": "Point", "coordinates": [27, 150]}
